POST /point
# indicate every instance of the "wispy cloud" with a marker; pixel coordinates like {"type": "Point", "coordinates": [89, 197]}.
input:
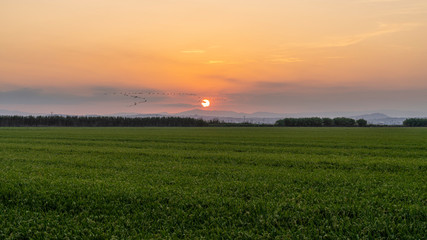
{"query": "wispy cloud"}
{"type": "Point", "coordinates": [179, 105]}
{"type": "Point", "coordinates": [335, 57]}
{"type": "Point", "coordinates": [33, 96]}
{"type": "Point", "coordinates": [224, 79]}
{"type": "Point", "coordinates": [215, 62]}
{"type": "Point", "coordinates": [351, 40]}
{"type": "Point", "coordinates": [285, 60]}
{"type": "Point", "coordinates": [193, 51]}
{"type": "Point", "coordinates": [345, 41]}
{"type": "Point", "coordinates": [214, 46]}
{"type": "Point", "coordinates": [275, 85]}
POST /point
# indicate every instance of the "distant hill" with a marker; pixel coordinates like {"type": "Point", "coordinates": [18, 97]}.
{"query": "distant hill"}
{"type": "Point", "coordinates": [233, 117]}
{"type": "Point", "coordinates": [210, 113]}
{"type": "Point", "coordinates": [15, 113]}
{"type": "Point", "coordinates": [380, 119]}
{"type": "Point", "coordinates": [371, 116]}
{"type": "Point", "coordinates": [267, 117]}
{"type": "Point", "coordinates": [199, 112]}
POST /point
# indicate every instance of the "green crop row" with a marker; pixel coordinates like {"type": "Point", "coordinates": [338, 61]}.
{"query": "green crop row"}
{"type": "Point", "coordinates": [228, 183]}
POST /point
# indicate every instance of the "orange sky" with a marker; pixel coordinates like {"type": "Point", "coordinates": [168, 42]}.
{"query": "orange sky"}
{"type": "Point", "coordinates": [252, 55]}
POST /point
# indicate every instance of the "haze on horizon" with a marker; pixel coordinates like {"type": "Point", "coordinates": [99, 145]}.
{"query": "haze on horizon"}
{"type": "Point", "coordinates": [73, 57]}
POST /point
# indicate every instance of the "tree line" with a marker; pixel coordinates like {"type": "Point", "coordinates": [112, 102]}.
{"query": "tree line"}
{"type": "Point", "coordinates": [415, 122]}
{"type": "Point", "coordinates": [321, 122]}
{"type": "Point", "coordinates": [104, 121]}
{"type": "Point", "coordinates": [99, 121]}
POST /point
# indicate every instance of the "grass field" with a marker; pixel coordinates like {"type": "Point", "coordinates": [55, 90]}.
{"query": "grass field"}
{"type": "Point", "coordinates": [247, 183]}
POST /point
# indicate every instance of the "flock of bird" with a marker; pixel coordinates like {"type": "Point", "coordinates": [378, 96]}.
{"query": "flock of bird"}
{"type": "Point", "coordinates": [141, 97]}
{"type": "Point", "coordinates": [144, 96]}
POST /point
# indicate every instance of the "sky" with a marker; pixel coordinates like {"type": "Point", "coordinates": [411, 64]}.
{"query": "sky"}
{"type": "Point", "coordinates": [144, 56]}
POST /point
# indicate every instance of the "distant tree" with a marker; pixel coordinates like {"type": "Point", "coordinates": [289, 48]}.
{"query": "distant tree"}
{"type": "Point", "coordinates": [300, 122]}
{"type": "Point", "coordinates": [314, 122]}
{"type": "Point", "coordinates": [215, 122]}
{"type": "Point", "coordinates": [415, 122]}
{"type": "Point", "coordinates": [74, 121]}
{"type": "Point", "coordinates": [280, 123]}
{"type": "Point", "coordinates": [362, 122]}
{"type": "Point", "coordinates": [327, 122]}
{"type": "Point", "coordinates": [344, 122]}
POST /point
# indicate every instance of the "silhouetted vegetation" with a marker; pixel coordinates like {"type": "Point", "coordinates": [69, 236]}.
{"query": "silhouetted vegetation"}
{"type": "Point", "coordinates": [344, 122]}
{"type": "Point", "coordinates": [362, 123]}
{"type": "Point", "coordinates": [319, 122]}
{"type": "Point", "coordinates": [327, 122]}
{"type": "Point", "coordinates": [300, 122]}
{"type": "Point", "coordinates": [415, 122]}
{"type": "Point", "coordinates": [104, 121]}
{"type": "Point", "coordinates": [79, 121]}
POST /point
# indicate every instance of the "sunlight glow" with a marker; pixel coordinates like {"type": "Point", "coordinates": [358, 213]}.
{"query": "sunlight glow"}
{"type": "Point", "coordinates": [205, 103]}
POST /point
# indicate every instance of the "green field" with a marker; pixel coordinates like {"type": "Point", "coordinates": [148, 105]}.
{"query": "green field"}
{"type": "Point", "coordinates": [247, 183]}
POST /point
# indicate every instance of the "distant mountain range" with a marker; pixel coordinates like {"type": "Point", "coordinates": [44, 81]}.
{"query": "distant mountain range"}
{"type": "Point", "coordinates": [198, 112]}
{"type": "Point", "coordinates": [236, 117]}
{"type": "Point", "coordinates": [15, 113]}
{"type": "Point", "coordinates": [269, 118]}
{"type": "Point", "coordinates": [380, 119]}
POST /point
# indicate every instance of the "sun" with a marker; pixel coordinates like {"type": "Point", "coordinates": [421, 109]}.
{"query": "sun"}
{"type": "Point", "coordinates": [205, 103]}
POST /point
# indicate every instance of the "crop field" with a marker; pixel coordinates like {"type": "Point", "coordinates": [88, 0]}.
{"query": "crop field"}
{"type": "Point", "coordinates": [229, 183]}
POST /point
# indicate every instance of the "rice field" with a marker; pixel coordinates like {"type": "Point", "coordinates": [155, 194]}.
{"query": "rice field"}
{"type": "Point", "coordinates": [228, 183]}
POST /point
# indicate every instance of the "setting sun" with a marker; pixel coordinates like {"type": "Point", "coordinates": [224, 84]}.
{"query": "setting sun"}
{"type": "Point", "coordinates": [205, 103]}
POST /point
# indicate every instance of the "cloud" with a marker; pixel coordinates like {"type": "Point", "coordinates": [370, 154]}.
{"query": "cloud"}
{"type": "Point", "coordinates": [58, 96]}
{"type": "Point", "coordinates": [326, 99]}
{"type": "Point", "coordinates": [345, 41]}
{"type": "Point", "coordinates": [285, 60]}
{"type": "Point", "coordinates": [32, 96]}
{"type": "Point", "coordinates": [351, 40]}
{"type": "Point", "coordinates": [279, 96]}
{"type": "Point", "coordinates": [275, 85]}
{"type": "Point", "coordinates": [383, 30]}
{"type": "Point", "coordinates": [193, 51]}
{"type": "Point", "coordinates": [215, 62]}
{"type": "Point", "coordinates": [179, 105]}
{"type": "Point", "coordinates": [335, 57]}
{"type": "Point", "coordinates": [223, 78]}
